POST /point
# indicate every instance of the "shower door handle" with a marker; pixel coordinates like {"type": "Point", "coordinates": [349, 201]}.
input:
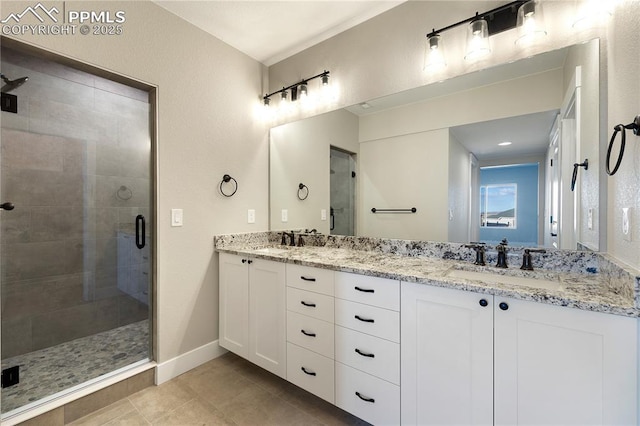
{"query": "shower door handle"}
{"type": "Point", "coordinates": [7, 206]}
{"type": "Point", "coordinates": [140, 231]}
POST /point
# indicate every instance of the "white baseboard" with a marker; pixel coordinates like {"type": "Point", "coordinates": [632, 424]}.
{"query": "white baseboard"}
{"type": "Point", "coordinates": [181, 364]}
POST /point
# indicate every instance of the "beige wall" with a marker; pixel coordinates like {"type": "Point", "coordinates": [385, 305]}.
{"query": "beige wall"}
{"type": "Point", "coordinates": [402, 172]}
{"type": "Point", "coordinates": [459, 192]}
{"type": "Point", "coordinates": [206, 95]}
{"type": "Point", "coordinates": [624, 105]}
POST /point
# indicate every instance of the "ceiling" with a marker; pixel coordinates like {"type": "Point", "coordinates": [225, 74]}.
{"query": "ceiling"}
{"type": "Point", "coordinates": [270, 31]}
{"type": "Point", "coordinates": [529, 135]}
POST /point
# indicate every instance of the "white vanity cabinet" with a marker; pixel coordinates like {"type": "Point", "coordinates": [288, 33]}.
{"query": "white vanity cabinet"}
{"type": "Point", "coordinates": [465, 353]}
{"type": "Point", "coordinates": [367, 347]}
{"type": "Point", "coordinates": [310, 330]}
{"type": "Point", "coordinates": [253, 310]}
{"type": "Point", "coordinates": [556, 365]}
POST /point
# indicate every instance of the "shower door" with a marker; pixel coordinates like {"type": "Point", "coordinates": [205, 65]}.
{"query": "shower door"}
{"type": "Point", "coordinates": [342, 192]}
{"type": "Point", "coordinates": [76, 256]}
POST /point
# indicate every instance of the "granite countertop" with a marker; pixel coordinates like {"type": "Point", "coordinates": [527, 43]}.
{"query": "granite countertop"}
{"type": "Point", "coordinates": [598, 292]}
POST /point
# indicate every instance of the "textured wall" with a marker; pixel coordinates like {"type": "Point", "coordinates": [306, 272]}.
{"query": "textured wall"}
{"type": "Point", "coordinates": [624, 105]}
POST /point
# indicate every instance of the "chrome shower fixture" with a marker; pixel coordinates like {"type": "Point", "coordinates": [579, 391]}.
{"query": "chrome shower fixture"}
{"type": "Point", "coordinates": [12, 84]}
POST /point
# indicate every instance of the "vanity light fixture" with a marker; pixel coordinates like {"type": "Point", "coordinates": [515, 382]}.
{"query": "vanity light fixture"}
{"type": "Point", "coordinates": [298, 90]}
{"type": "Point", "coordinates": [302, 88]}
{"type": "Point", "coordinates": [479, 28]}
{"type": "Point", "coordinates": [477, 40]}
{"type": "Point", "coordinates": [434, 57]}
{"type": "Point", "coordinates": [530, 22]}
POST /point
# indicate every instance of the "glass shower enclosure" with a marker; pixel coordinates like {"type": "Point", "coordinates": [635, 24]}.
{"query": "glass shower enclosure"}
{"type": "Point", "coordinates": [75, 238]}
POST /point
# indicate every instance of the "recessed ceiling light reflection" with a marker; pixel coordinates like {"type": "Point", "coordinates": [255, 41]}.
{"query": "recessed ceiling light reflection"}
{"type": "Point", "coordinates": [504, 144]}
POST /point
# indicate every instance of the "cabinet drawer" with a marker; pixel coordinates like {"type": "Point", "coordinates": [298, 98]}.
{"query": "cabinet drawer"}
{"type": "Point", "coordinates": [368, 319]}
{"type": "Point", "coordinates": [309, 303]}
{"type": "Point", "coordinates": [367, 397]}
{"type": "Point", "coordinates": [312, 279]}
{"type": "Point", "coordinates": [375, 291]}
{"type": "Point", "coordinates": [310, 333]}
{"type": "Point", "coordinates": [311, 371]}
{"type": "Point", "coordinates": [370, 354]}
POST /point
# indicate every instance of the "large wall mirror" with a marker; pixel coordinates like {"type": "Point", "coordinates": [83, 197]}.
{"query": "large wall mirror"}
{"type": "Point", "coordinates": [479, 157]}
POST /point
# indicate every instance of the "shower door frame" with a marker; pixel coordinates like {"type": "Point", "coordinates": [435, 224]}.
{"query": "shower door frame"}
{"type": "Point", "coordinates": [69, 395]}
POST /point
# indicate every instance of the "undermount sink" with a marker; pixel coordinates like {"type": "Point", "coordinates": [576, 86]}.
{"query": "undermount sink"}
{"type": "Point", "coordinates": [271, 250]}
{"type": "Point", "coordinates": [493, 278]}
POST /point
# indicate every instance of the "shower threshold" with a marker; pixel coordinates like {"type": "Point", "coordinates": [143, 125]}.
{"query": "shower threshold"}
{"type": "Point", "coordinates": [58, 368]}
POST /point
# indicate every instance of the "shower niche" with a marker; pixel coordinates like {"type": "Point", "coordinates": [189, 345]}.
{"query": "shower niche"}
{"type": "Point", "coordinates": [75, 264]}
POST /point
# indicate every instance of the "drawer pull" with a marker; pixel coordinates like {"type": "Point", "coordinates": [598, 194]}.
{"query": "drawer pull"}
{"type": "Point", "coordinates": [365, 354]}
{"type": "Point", "coordinates": [311, 373]}
{"type": "Point", "coordinates": [302, 277]}
{"type": "Point", "coordinates": [308, 334]}
{"type": "Point", "coordinates": [310, 305]}
{"type": "Point", "coordinates": [364, 398]}
{"type": "Point", "coordinates": [358, 317]}
{"type": "Point", "coordinates": [365, 290]}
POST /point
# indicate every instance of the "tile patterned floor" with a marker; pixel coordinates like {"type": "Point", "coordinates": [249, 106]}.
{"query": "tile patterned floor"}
{"type": "Point", "coordinates": [225, 391]}
{"type": "Point", "coordinates": [51, 370]}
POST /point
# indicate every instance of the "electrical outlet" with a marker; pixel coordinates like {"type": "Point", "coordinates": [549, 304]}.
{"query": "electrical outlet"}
{"type": "Point", "coordinates": [626, 223]}
{"type": "Point", "coordinates": [590, 218]}
{"type": "Point", "coordinates": [176, 217]}
{"type": "Point", "coordinates": [251, 216]}
{"type": "Point", "coordinates": [284, 215]}
{"type": "Point", "coordinates": [323, 214]}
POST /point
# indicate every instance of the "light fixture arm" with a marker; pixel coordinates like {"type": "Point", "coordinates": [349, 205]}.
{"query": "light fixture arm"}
{"type": "Point", "coordinates": [294, 86]}
{"type": "Point", "coordinates": [507, 9]}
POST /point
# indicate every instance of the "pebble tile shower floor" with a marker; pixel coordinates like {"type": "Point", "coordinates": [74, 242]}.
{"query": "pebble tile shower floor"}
{"type": "Point", "coordinates": [51, 370]}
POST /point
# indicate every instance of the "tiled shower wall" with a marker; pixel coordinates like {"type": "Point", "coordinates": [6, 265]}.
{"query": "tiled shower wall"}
{"type": "Point", "coordinates": [75, 162]}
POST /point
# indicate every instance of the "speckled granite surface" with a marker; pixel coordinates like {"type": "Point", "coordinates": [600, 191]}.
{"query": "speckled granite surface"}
{"type": "Point", "coordinates": [581, 279]}
{"type": "Point", "coordinates": [58, 368]}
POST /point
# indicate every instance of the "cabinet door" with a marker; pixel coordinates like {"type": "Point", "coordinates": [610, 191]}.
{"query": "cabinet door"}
{"type": "Point", "coordinates": [267, 316]}
{"type": "Point", "coordinates": [447, 356]}
{"type": "Point", "coordinates": [234, 304]}
{"type": "Point", "coordinates": [557, 365]}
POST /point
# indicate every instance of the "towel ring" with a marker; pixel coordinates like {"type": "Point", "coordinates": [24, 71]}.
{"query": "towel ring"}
{"type": "Point", "coordinates": [584, 164]}
{"type": "Point", "coordinates": [302, 188]}
{"type": "Point", "coordinates": [622, 129]}
{"type": "Point", "coordinates": [227, 179]}
{"type": "Point", "coordinates": [124, 193]}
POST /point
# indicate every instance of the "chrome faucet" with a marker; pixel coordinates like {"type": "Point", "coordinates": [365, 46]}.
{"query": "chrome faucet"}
{"type": "Point", "coordinates": [526, 258]}
{"type": "Point", "coordinates": [502, 254]}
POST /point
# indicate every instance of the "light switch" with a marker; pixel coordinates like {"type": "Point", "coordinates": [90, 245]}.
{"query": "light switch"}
{"type": "Point", "coordinates": [323, 214]}
{"type": "Point", "coordinates": [176, 217]}
{"type": "Point", "coordinates": [251, 216]}
{"type": "Point", "coordinates": [285, 215]}
{"type": "Point", "coordinates": [590, 218]}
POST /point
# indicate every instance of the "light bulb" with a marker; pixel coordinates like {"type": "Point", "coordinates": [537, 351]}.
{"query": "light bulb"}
{"type": "Point", "coordinates": [434, 58]}
{"type": "Point", "coordinates": [477, 40]}
{"type": "Point", "coordinates": [530, 22]}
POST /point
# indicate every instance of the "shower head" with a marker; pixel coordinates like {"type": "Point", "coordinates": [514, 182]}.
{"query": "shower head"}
{"type": "Point", "coordinates": [12, 84]}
